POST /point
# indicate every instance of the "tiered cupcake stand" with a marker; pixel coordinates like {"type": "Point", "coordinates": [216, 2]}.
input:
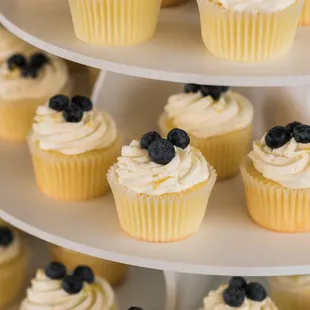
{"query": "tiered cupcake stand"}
{"type": "Point", "coordinates": [228, 243]}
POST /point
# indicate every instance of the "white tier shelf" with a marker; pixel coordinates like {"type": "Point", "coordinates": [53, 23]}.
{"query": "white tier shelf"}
{"type": "Point", "coordinates": [176, 53]}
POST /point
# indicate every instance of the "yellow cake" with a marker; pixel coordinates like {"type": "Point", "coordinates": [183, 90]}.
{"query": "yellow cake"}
{"type": "Point", "coordinates": [304, 19]}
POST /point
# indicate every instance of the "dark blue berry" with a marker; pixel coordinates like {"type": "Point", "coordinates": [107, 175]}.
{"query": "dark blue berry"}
{"type": "Point", "coordinates": [59, 102]}
{"type": "Point", "coordinates": [301, 133]}
{"type": "Point", "coordinates": [233, 296]}
{"type": "Point", "coordinates": [6, 236]}
{"type": "Point", "coordinates": [83, 102]}
{"type": "Point", "coordinates": [238, 282]}
{"type": "Point", "coordinates": [191, 88]}
{"type": "Point", "coordinates": [161, 151]}
{"type": "Point", "coordinates": [255, 291]}
{"type": "Point", "coordinates": [16, 61]}
{"type": "Point", "coordinates": [72, 284]}
{"type": "Point", "coordinates": [214, 91]}
{"type": "Point", "coordinates": [277, 137]}
{"type": "Point", "coordinates": [135, 308]}
{"type": "Point", "coordinates": [291, 126]}
{"type": "Point", "coordinates": [179, 138]}
{"type": "Point", "coordinates": [85, 272]}
{"type": "Point", "coordinates": [38, 60]}
{"type": "Point", "coordinates": [29, 72]}
{"type": "Point", "coordinates": [73, 114]}
{"type": "Point", "coordinates": [148, 138]}
{"type": "Point", "coordinates": [55, 270]}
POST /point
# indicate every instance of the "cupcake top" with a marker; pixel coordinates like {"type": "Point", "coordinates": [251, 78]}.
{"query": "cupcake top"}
{"type": "Point", "coordinates": [206, 111]}
{"type": "Point", "coordinates": [10, 245]}
{"type": "Point", "coordinates": [239, 294]}
{"type": "Point", "coordinates": [157, 166]}
{"type": "Point", "coordinates": [283, 155]}
{"type": "Point", "coordinates": [38, 75]}
{"type": "Point", "coordinates": [72, 127]}
{"type": "Point", "coordinates": [53, 288]}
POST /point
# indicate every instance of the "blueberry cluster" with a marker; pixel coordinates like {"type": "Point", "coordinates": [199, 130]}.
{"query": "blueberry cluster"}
{"type": "Point", "coordinates": [161, 150]}
{"type": "Point", "coordinates": [29, 68]}
{"type": "Point", "coordinates": [6, 236]}
{"type": "Point", "coordinates": [206, 90]}
{"type": "Point", "coordinates": [71, 283]}
{"type": "Point", "coordinates": [280, 135]}
{"type": "Point", "coordinates": [238, 289]}
{"type": "Point", "coordinates": [73, 110]}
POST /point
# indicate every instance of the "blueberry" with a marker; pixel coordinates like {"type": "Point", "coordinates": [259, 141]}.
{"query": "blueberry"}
{"type": "Point", "coordinates": [237, 282]}
{"type": "Point", "coordinates": [148, 138]}
{"type": "Point", "coordinates": [84, 272]}
{"type": "Point", "coordinates": [291, 126]}
{"type": "Point", "coordinates": [6, 236]}
{"type": "Point", "coordinates": [72, 284]}
{"type": "Point", "coordinates": [301, 133]}
{"type": "Point", "coordinates": [179, 138]}
{"type": "Point", "coordinates": [214, 91]}
{"type": "Point", "coordinates": [255, 291]}
{"type": "Point", "coordinates": [73, 114]}
{"type": "Point", "coordinates": [233, 297]}
{"type": "Point", "coordinates": [161, 151]}
{"type": "Point", "coordinates": [29, 72]}
{"type": "Point", "coordinates": [83, 102]}
{"type": "Point", "coordinates": [38, 60]}
{"type": "Point", "coordinates": [16, 61]}
{"type": "Point", "coordinates": [277, 137]}
{"type": "Point", "coordinates": [59, 102]}
{"type": "Point", "coordinates": [55, 270]}
{"type": "Point", "coordinates": [191, 88]}
{"type": "Point", "coordinates": [135, 308]}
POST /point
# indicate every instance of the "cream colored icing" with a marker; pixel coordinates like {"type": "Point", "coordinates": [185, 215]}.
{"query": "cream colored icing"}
{"type": "Point", "coordinates": [203, 117]}
{"type": "Point", "coordinates": [215, 301]}
{"type": "Point", "coordinates": [96, 130]}
{"type": "Point", "coordinates": [11, 251]}
{"type": "Point", "coordinates": [138, 172]}
{"type": "Point", "coordinates": [288, 165]}
{"type": "Point", "coordinates": [47, 294]}
{"type": "Point", "coordinates": [52, 78]}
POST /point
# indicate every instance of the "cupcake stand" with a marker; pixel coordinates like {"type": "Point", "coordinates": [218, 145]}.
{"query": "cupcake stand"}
{"type": "Point", "coordinates": [174, 276]}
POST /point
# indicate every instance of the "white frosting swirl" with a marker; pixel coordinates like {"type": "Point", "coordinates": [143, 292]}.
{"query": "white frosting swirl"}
{"type": "Point", "coordinates": [288, 165]}
{"type": "Point", "coordinates": [298, 284]}
{"type": "Point", "coordinates": [8, 253]}
{"type": "Point", "coordinates": [203, 117]}
{"type": "Point", "coordinates": [215, 301]}
{"type": "Point", "coordinates": [52, 78]}
{"type": "Point", "coordinates": [96, 130]}
{"type": "Point", "coordinates": [138, 172]}
{"type": "Point", "coordinates": [255, 5]}
{"type": "Point", "coordinates": [47, 294]}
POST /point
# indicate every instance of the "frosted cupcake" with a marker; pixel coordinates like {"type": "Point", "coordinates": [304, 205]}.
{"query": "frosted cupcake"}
{"type": "Point", "coordinates": [55, 288]}
{"type": "Point", "coordinates": [249, 30]}
{"type": "Point", "coordinates": [291, 292]}
{"type": "Point", "coordinates": [112, 272]}
{"type": "Point", "coordinates": [13, 265]}
{"type": "Point", "coordinates": [218, 121]}
{"type": "Point", "coordinates": [114, 22]}
{"type": "Point", "coordinates": [277, 179]}
{"type": "Point", "coordinates": [305, 14]}
{"type": "Point", "coordinates": [239, 294]}
{"type": "Point", "coordinates": [72, 146]}
{"type": "Point", "coordinates": [161, 187]}
{"type": "Point", "coordinates": [25, 83]}
{"type": "Point", "coordinates": [166, 3]}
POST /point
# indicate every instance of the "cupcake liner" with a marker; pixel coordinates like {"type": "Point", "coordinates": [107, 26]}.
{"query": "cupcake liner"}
{"type": "Point", "coordinates": [12, 279]}
{"type": "Point", "coordinates": [112, 272]}
{"type": "Point", "coordinates": [273, 206]}
{"type": "Point", "coordinates": [248, 36]}
{"type": "Point", "coordinates": [165, 218]}
{"type": "Point", "coordinates": [167, 3]}
{"type": "Point", "coordinates": [114, 22]}
{"type": "Point", "coordinates": [225, 152]}
{"type": "Point", "coordinates": [304, 19]}
{"type": "Point", "coordinates": [73, 177]}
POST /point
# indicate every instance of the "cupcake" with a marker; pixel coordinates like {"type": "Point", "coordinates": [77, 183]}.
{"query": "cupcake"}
{"type": "Point", "coordinates": [13, 265]}
{"type": "Point", "coordinates": [249, 31]}
{"type": "Point", "coordinates": [72, 146]}
{"type": "Point", "coordinates": [161, 187]}
{"type": "Point", "coordinates": [304, 19]}
{"type": "Point", "coordinates": [218, 121]}
{"type": "Point", "coordinates": [276, 177]}
{"type": "Point", "coordinates": [114, 22]}
{"type": "Point", "coordinates": [25, 83]}
{"type": "Point", "coordinates": [239, 294]}
{"type": "Point", "coordinates": [112, 272]}
{"type": "Point", "coordinates": [166, 3]}
{"type": "Point", "coordinates": [56, 288]}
